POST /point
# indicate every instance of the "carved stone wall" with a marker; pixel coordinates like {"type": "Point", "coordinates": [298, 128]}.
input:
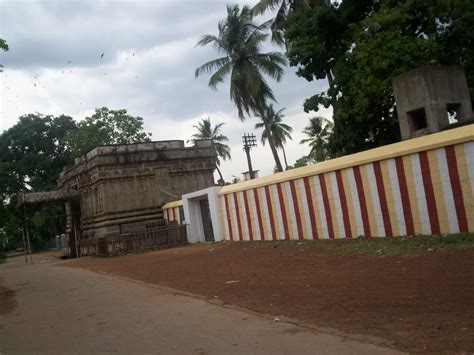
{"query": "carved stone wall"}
{"type": "Point", "coordinates": [124, 186]}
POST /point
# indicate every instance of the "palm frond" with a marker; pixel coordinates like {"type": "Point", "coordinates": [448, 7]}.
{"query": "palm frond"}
{"type": "Point", "coordinates": [211, 66]}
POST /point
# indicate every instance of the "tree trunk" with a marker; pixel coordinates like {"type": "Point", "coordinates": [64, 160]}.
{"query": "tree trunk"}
{"type": "Point", "coordinates": [284, 157]}
{"type": "Point", "coordinates": [330, 78]}
{"type": "Point", "coordinates": [220, 175]}
{"type": "Point", "coordinates": [271, 142]}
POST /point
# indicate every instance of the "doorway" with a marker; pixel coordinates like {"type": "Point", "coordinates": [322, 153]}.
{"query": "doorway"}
{"type": "Point", "coordinates": [206, 220]}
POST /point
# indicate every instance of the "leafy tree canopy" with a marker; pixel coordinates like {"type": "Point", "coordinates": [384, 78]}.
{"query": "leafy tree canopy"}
{"type": "Point", "coordinates": [317, 133]}
{"type": "Point", "coordinates": [33, 152]}
{"type": "Point", "coordinates": [360, 45]}
{"type": "Point", "coordinates": [205, 130]}
{"type": "Point", "coordinates": [106, 127]}
{"type": "Point", "coordinates": [3, 45]}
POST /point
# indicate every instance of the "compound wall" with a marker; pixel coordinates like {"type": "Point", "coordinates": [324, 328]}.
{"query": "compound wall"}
{"type": "Point", "coordinates": [421, 186]}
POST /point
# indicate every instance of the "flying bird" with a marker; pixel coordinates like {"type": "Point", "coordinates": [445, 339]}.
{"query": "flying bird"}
{"type": "Point", "coordinates": [102, 55]}
{"type": "Point", "coordinates": [133, 54]}
{"type": "Point", "coordinates": [69, 61]}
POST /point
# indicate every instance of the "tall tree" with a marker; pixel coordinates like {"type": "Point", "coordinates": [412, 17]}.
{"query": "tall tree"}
{"type": "Point", "coordinates": [32, 154]}
{"type": "Point", "coordinates": [106, 127]}
{"type": "Point", "coordinates": [205, 130]}
{"type": "Point", "coordinates": [280, 131]}
{"type": "Point", "coordinates": [363, 44]}
{"type": "Point", "coordinates": [240, 39]}
{"type": "Point", "coordinates": [318, 132]}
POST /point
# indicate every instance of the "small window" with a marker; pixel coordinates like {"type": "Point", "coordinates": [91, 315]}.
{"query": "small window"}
{"type": "Point", "coordinates": [453, 112]}
{"type": "Point", "coordinates": [418, 119]}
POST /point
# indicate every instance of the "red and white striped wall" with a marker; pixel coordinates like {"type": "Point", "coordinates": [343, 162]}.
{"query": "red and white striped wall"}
{"type": "Point", "coordinates": [420, 186]}
{"type": "Point", "coordinates": [171, 211]}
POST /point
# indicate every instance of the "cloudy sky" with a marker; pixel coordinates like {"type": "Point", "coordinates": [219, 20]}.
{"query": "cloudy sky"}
{"type": "Point", "coordinates": [54, 66]}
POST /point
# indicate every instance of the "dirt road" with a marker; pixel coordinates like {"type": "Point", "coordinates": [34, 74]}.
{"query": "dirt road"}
{"type": "Point", "coordinates": [56, 310]}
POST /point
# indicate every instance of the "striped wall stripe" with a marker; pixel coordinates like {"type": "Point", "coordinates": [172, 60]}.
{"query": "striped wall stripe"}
{"type": "Point", "coordinates": [299, 225]}
{"type": "Point", "coordinates": [327, 208]}
{"type": "Point", "coordinates": [425, 225]}
{"type": "Point", "coordinates": [262, 207]}
{"type": "Point", "coordinates": [247, 213]}
{"type": "Point", "coordinates": [311, 210]}
{"type": "Point", "coordinates": [374, 202]}
{"type": "Point", "coordinates": [383, 199]}
{"type": "Point", "coordinates": [355, 207]}
{"type": "Point", "coordinates": [388, 191]}
{"type": "Point", "coordinates": [429, 192]}
{"type": "Point", "coordinates": [404, 194]}
{"type": "Point", "coordinates": [440, 198]}
{"type": "Point", "coordinates": [397, 198]}
{"type": "Point", "coordinates": [456, 187]}
{"type": "Point", "coordinates": [335, 205]}
{"type": "Point", "coordinates": [321, 215]}
{"type": "Point", "coordinates": [269, 207]}
{"type": "Point", "coordinates": [362, 201]}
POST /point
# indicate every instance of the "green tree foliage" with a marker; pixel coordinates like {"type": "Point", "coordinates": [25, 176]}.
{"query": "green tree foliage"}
{"type": "Point", "coordinates": [279, 130]}
{"type": "Point", "coordinates": [106, 127]}
{"type": "Point", "coordinates": [239, 40]}
{"type": "Point", "coordinates": [205, 130]}
{"type": "Point", "coordinates": [3, 45]}
{"type": "Point", "coordinates": [33, 152]}
{"type": "Point", "coordinates": [360, 45]}
{"type": "Point", "coordinates": [318, 132]}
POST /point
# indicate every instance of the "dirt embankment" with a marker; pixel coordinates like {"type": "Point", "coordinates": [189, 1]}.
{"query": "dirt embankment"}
{"type": "Point", "coordinates": [424, 301]}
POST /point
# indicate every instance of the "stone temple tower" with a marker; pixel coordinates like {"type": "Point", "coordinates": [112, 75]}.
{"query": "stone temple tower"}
{"type": "Point", "coordinates": [430, 99]}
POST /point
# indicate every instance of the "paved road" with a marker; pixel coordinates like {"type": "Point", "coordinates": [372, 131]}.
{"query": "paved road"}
{"type": "Point", "coordinates": [71, 311]}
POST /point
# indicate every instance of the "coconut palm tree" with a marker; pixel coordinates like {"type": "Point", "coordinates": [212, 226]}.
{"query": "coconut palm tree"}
{"type": "Point", "coordinates": [282, 8]}
{"type": "Point", "coordinates": [206, 131]}
{"type": "Point", "coordinates": [318, 132]}
{"type": "Point", "coordinates": [239, 40]}
{"type": "Point", "coordinates": [279, 130]}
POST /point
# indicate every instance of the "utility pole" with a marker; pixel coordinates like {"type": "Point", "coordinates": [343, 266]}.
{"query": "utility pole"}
{"type": "Point", "coordinates": [250, 142]}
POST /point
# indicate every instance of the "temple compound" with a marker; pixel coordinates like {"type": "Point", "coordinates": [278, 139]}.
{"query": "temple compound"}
{"type": "Point", "coordinates": [114, 190]}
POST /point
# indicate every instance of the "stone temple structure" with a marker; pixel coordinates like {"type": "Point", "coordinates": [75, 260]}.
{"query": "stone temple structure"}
{"type": "Point", "coordinates": [118, 188]}
{"type": "Point", "coordinates": [430, 99]}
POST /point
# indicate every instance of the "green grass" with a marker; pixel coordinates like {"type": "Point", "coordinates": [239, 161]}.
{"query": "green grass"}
{"type": "Point", "coordinates": [403, 245]}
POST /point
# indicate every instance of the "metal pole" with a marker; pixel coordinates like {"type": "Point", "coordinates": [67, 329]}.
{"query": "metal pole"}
{"type": "Point", "coordinates": [28, 235]}
{"type": "Point", "coordinates": [23, 237]}
{"type": "Point", "coordinates": [249, 162]}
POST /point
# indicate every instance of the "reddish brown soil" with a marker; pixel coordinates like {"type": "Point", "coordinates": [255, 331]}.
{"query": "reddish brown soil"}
{"type": "Point", "coordinates": [423, 302]}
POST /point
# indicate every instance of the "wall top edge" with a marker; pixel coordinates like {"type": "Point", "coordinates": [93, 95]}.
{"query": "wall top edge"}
{"type": "Point", "coordinates": [172, 204]}
{"type": "Point", "coordinates": [428, 142]}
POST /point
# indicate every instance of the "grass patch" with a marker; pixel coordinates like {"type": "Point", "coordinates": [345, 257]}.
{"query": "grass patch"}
{"type": "Point", "coordinates": [403, 245]}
